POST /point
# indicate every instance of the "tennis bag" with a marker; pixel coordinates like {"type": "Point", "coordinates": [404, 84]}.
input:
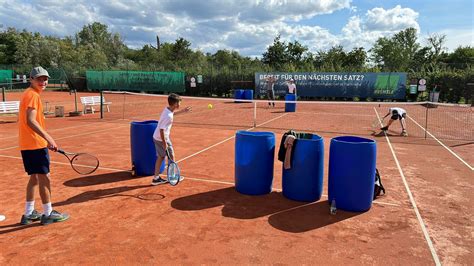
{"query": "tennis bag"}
{"type": "Point", "coordinates": [378, 188]}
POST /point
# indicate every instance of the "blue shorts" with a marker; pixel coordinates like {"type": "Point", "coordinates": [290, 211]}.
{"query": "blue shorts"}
{"type": "Point", "coordinates": [36, 161]}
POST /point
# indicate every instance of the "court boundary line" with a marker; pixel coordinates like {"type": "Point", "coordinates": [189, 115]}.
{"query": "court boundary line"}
{"type": "Point", "coordinates": [192, 178]}
{"type": "Point", "coordinates": [229, 138]}
{"type": "Point", "coordinates": [442, 144]}
{"type": "Point", "coordinates": [412, 200]}
{"type": "Point", "coordinates": [55, 130]}
{"type": "Point", "coordinates": [70, 136]}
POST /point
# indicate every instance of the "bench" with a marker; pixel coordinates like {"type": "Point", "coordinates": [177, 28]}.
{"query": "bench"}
{"type": "Point", "coordinates": [88, 103]}
{"type": "Point", "coordinates": [10, 108]}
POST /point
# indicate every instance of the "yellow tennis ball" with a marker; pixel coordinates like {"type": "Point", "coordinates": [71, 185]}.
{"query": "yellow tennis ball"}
{"type": "Point", "coordinates": [209, 106]}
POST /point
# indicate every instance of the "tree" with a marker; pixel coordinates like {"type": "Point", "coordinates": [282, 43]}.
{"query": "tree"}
{"type": "Point", "coordinates": [96, 36]}
{"type": "Point", "coordinates": [276, 55]}
{"type": "Point", "coordinates": [461, 58]}
{"type": "Point", "coordinates": [295, 52]}
{"type": "Point", "coordinates": [396, 53]}
{"type": "Point", "coordinates": [181, 49]}
{"type": "Point", "coordinates": [437, 42]}
{"type": "Point", "coordinates": [356, 59]}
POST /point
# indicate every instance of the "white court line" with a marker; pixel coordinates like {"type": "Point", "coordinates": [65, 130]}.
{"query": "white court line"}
{"type": "Point", "coordinates": [412, 200]}
{"type": "Point", "coordinates": [187, 178]}
{"type": "Point", "coordinates": [442, 144]}
{"type": "Point", "coordinates": [72, 136]}
{"type": "Point", "coordinates": [227, 139]}
{"type": "Point", "coordinates": [49, 130]}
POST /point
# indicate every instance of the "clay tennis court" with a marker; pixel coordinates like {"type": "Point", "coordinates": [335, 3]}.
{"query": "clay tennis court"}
{"type": "Point", "coordinates": [425, 218]}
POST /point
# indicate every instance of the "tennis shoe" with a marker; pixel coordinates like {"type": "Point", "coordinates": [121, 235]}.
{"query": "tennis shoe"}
{"type": "Point", "coordinates": [404, 133]}
{"type": "Point", "coordinates": [28, 219]}
{"type": "Point", "coordinates": [54, 217]}
{"type": "Point", "coordinates": [158, 181]}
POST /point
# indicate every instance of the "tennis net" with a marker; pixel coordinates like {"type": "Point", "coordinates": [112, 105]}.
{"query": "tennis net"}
{"type": "Point", "coordinates": [445, 121]}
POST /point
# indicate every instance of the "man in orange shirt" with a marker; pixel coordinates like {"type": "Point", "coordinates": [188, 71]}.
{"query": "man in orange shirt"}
{"type": "Point", "coordinates": [34, 144]}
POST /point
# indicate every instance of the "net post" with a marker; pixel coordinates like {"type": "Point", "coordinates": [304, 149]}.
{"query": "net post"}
{"type": "Point", "coordinates": [254, 114]}
{"type": "Point", "coordinates": [4, 98]}
{"type": "Point", "coordinates": [101, 104]}
{"type": "Point", "coordinates": [426, 117]}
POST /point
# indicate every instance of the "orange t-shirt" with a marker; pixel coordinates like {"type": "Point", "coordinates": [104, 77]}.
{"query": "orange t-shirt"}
{"type": "Point", "coordinates": [30, 140]}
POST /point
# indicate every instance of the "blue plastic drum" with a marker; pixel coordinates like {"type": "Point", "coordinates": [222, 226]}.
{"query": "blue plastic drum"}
{"type": "Point", "coordinates": [290, 107]}
{"type": "Point", "coordinates": [352, 172]}
{"type": "Point", "coordinates": [304, 180]}
{"type": "Point", "coordinates": [248, 95]}
{"type": "Point", "coordinates": [142, 147]}
{"type": "Point", "coordinates": [254, 157]}
{"type": "Point", "coordinates": [238, 95]}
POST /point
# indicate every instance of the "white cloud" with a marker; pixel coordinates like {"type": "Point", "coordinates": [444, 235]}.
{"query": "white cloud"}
{"type": "Point", "coordinates": [395, 19]}
{"type": "Point", "coordinates": [247, 26]}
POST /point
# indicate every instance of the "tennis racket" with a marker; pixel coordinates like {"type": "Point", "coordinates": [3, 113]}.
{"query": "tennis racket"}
{"type": "Point", "coordinates": [174, 174]}
{"type": "Point", "coordinates": [82, 163]}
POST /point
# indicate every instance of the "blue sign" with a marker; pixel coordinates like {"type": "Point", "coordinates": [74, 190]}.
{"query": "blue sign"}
{"type": "Point", "coordinates": [386, 85]}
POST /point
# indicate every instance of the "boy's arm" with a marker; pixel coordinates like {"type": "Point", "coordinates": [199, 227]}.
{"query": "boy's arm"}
{"type": "Point", "coordinates": [185, 110]}
{"type": "Point", "coordinates": [33, 124]}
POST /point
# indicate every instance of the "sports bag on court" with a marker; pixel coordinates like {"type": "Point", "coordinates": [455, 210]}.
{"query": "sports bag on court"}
{"type": "Point", "coordinates": [378, 188]}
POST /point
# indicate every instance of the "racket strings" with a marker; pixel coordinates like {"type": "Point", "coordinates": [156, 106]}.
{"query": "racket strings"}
{"type": "Point", "coordinates": [85, 163]}
{"type": "Point", "coordinates": [173, 173]}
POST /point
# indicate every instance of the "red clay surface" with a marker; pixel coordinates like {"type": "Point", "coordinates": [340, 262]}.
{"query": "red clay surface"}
{"type": "Point", "coordinates": [116, 218]}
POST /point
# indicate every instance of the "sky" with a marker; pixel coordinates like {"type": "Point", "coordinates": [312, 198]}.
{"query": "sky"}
{"type": "Point", "coordinates": [248, 26]}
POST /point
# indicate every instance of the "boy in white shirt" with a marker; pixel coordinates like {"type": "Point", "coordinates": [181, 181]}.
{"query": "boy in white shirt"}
{"type": "Point", "coordinates": [291, 87]}
{"type": "Point", "coordinates": [397, 113]}
{"type": "Point", "coordinates": [161, 136]}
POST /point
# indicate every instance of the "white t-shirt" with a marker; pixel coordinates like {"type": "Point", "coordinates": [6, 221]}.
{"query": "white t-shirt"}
{"type": "Point", "coordinates": [292, 88]}
{"type": "Point", "coordinates": [166, 121]}
{"type": "Point", "coordinates": [399, 110]}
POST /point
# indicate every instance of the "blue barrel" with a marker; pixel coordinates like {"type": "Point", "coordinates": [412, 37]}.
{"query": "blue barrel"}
{"type": "Point", "coordinates": [142, 147]}
{"type": "Point", "coordinates": [290, 107]}
{"type": "Point", "coordinates": [238, 95]}
{"type": "Point", "coordinates": [352, 172]}
{"type": "Point", "coordinates": [304, 180]}
{"type": "Point", "coordinates": [248, 94]}
{"type": "Point", "coordinates": [254, 157]}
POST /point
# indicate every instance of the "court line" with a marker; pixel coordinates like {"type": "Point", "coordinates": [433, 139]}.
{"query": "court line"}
{"type": "Point", "coordinates": [187, 178]}
{"type": "Point", "coordinates": [229, 138]}
{"type": "Point", "coordinates": [412, 200]}
{"type": "Point", "coordinates": [49, 130]}
{"type": "Point", "coordinates": [71, 136]}
{"type": "Point", "coordinates": [442, 144]}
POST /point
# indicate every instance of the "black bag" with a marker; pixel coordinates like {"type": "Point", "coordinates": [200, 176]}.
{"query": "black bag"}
{"type": "Point", "coordinates": [378, 188]}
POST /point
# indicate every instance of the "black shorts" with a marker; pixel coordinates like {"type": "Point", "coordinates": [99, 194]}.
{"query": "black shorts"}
{"type": "Point", "coordinates": [397, 116]}
{"type": "Point", "coordinates": [271, 95]}
{"type": "Point", "coordinates": [36, 161]}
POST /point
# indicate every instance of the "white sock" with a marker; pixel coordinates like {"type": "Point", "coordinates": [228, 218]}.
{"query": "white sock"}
{"type": "Point", "coordinates": [47, 208]}
{"type": "Point", "coordinates": [29, 207]}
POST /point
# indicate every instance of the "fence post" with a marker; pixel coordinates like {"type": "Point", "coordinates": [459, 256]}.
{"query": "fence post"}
{"type": "Point", "coordinates": [101, 105]}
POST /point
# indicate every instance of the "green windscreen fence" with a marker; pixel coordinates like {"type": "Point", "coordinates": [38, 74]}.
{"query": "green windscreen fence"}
{"type": "Point", "coordinates": [5, 76]}
{"type": "Point", "coordinates": [135, 81]}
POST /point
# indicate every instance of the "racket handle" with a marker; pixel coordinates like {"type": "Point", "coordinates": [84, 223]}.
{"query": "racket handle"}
{"type": "Point", "coordinates": [60, 151]}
